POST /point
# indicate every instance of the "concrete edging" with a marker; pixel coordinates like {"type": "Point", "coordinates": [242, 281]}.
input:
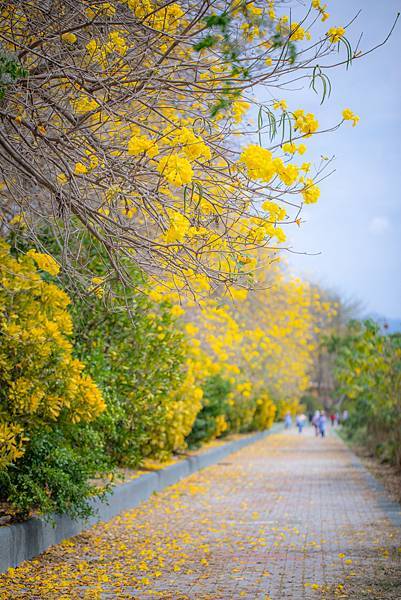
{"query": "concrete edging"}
{"type": "Point", "coordinates": [23, 541]}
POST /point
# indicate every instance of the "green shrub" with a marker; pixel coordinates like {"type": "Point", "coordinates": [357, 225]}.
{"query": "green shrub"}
{"type": "Point", "coordinates": [240, 413]}
{"type": "Point", "coordinates": [137, 358]}
{"type": "Point", "coordinates": [47, 400]}
{"type": "Point", "coordinates": [134, 350]}
{"type": "Point", "coordinates": [367, 370]}
{"type": "Point", "coordinates": [54, 474]}
{"type": "Point", "coordinates": [211, 419]}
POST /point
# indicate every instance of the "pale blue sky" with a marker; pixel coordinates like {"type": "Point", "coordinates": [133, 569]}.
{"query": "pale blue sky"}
{"type": "Point", "coordinates": [356, 226]}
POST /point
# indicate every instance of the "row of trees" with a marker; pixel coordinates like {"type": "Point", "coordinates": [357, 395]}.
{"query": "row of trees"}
{"type": "Point", "coordinates": [367, 375]}
{"type": "Point", "coordinates": [145, 192]}
{"type": "Point", "coordinates": [85, 389]}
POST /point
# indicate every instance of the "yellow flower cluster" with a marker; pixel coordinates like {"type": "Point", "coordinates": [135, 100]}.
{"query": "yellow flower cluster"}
{"type": "Point", "coordinates": [255, 339]}
{"type": "Point", "coordinates": [176, 169]}
{"type": "Point", "coordinates": [11, 443]}
{"type": "Point", "coordinates": [185, 403]}
{"type": "Point", "coordinates": [335, 34]}
{"type": "Point", "coordinates": [294, 31]}
{"type": "Point", "coordinates": [298, 33]}
{"type": "Point", "coordinates": [45, 262]}
{"type": "Point", "coordinates": [69, 37]}
{"type": "Point", "coordinates": [310, 192]}
{"type": "Point", "coordinates": [104, 9]}
{"type": "Point", "coordinates": [155, 109]}
{"type": "Point", "coordinates": [39, 378]}
{"type": "Point", "coordinates": [348, 115]}
{"type": "Point", "coordinates": [106, 53]}
{"type": "Point", "coordinates": [321, 8]}
{"type": "Point", "coordinates": [292, 148]}
{"type": "Point", "coordinates": [84, 104]}
{"type": "Point", "coordinates": [239, 109]}
{"type": "Point", "coordinates": [280, 104]}
{"type": "Point", "coordinates": [164, 18]}
{"type": "Point", "coordinates": [140, 144]}
{"type": "Point", "coordinates": [259, 162]}
{"type": "Point", "coordinates": [307, 123]}
{"type": "Point", "coordinates": [192, 146]}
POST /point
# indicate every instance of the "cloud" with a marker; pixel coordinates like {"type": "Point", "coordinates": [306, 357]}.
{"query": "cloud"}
{"type": "Point", "coordinates": [379, 225]}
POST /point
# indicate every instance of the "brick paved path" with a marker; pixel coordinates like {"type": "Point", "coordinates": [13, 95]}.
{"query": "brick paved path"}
{"type": "Point", "coordinates": [290, 517]}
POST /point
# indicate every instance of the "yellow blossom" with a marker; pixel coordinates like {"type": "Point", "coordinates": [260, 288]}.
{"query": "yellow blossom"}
{"type": "Point", "coordinates": [280, 104]}
{"type": "Point", "coordinates": [348, 115]}
{"type": "Point", "coordinates": [305, 122]}
{"type": "Point", "coordinates": [335, 34]}
{"type": "Point", "coordinates": [84, 104]}
{"type": "Point", "coordinates": [176, 170]}
{"type": "Point", "coordinates": [140, 144]}
{"type": "Point", "coordinates": [80, 168]}
{"type": "Point", "coordinates": [310, 192]}
{"type": "Point", "coordinates": [62, 178]}
{"type": "Point", "coordinates": [45, 262]}
{"type": "Point", "coordinates": [69, 37]}
{"type": "Point", "coordinates": [239, 108]}
{"type": "Point", "coordinates": [259, 162]}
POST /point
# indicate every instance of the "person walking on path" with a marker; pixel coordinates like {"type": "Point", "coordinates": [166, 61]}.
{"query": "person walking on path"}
{"type": "Point", "coordinates": [322, 424]}
{"type": "Point", "coordinates": [288, 420]}
{"type": "Point", "coordinates": [300, 422]}
{"type": "Point", "coordinates": [315, 422]}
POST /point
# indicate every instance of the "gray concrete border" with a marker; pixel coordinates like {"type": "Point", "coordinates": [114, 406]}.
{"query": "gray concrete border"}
{"type": "Point", "coordinates": [23, 541]}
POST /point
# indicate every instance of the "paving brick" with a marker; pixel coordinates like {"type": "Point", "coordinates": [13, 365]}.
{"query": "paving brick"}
{"type": "Point", "coordinates": [290, 517]}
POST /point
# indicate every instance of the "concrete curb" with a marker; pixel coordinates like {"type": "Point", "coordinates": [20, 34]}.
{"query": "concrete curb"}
{"type": "Point", "coordinates": [23, 541]}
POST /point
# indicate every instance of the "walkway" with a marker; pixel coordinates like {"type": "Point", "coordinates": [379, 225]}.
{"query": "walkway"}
{"type": "Point", "coordinates": [291, 517]}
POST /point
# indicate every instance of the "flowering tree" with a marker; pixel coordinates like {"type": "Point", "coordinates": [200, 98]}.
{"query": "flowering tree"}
{"type": "Point", "coordinates": [367, 373]}
{"type": "Point", "coordinates": [41, 383]}
{"type": "Point", "coordinates": [128, 119]}
{"type": "Point", "coordinates": [262, 341]}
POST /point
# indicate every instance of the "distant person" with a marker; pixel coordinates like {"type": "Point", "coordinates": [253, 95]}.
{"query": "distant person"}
{"type": "Point", "coordinates": [300, 422]}
{"type": "Point", "coordinates": [310, 417]}
{"type": "Point", "coordinates": [344, 416]}
{"type": "Point", "coordinates": [322, 424]}
{"type": "Point", "coordinates": [315, 422]}
{"type": "Point", "coordinates": [333, 420]}
{"type": "Point", "coordinates": [288, 420]}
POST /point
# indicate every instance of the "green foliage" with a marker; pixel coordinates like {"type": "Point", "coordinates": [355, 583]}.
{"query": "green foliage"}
{"type": "Point", "coordinates": [53, 476]}
{"type": "Point", "coordinates": [211, 417]}
{"type": "Point", "coordinates": [240, 414]}
{"type": "Point", "coordinates": [368, 376]}
{"type": "Point", "coordinates": [223, 38]}
{"type": "Point", "coordinates": [47, 453]}
{"type": "Point", "coordinates": [135, 353]}
{"type": "Point", "coordinates": [311, 403]}
{"type": "Point", "coordinates": [150, 376]}
{"type": "Point", "coordinates": [10, 71]}
{"type": "Point", "coordinates": [137, 358]}
{"type": "Point", "coordinates": [207, 42]}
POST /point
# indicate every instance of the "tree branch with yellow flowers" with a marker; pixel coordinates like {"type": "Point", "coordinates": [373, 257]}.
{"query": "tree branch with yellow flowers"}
{"type": "Point", "coordinates": [129, 119]}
